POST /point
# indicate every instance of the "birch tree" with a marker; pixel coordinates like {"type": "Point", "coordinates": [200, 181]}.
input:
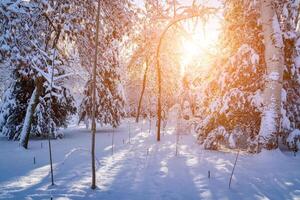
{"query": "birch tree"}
{"type": "Point", "coordinates": [274, 59]}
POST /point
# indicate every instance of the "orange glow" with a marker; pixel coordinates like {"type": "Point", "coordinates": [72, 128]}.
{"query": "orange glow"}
{"type": "Point", "coordinates": [198, 43]}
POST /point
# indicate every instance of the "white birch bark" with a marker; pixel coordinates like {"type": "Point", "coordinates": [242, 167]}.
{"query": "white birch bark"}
{"type": "Point", "coordinates": [274, 59]}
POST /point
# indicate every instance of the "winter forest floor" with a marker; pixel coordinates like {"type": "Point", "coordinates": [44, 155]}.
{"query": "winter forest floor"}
{"type": "Point", "coordinates": [143, 169]}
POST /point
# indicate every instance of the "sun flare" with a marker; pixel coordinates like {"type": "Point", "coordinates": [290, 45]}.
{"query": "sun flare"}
{"type": "Point", "coordinates": [190, 50]}
{"type": "Point", "coordinates": [198, 43]}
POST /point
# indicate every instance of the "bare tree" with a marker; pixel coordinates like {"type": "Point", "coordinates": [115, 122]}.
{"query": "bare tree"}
{"type": "Point", "coordinates": [94, 100]}
{"type": "Point", "coordinates": [143, 90]}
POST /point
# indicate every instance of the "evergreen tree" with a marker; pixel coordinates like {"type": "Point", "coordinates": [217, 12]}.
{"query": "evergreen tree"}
{"type": "Point", "coordinates": [32, 43]}
{"type": "Point", "coordinates": [109, 92]}
{"type": "Point", "coordinates": [230, 101]}
{"type": "Point", "coordinates": [233, 100]}
{"type": "Point", "coordinates": [116, 19]}
{"type": "Point", "coordinates": [288, 12]}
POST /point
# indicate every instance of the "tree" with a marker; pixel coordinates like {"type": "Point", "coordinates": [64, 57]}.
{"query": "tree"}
{"type": "Point", "coordinates": [142, 60]}
{"type": "Point", "coordinates": [94, 100]}
{"type": "Point", "coordinates": [109, 95]}
{"type": "Point", "coordinates": [229, 98]}
{"type": "Point", "coordinates": [158, 47]}
{"type": "Point", "coordinates": [243, 95]}
{"type": "Point", "coordinates": [288, 12]}
{"type": "Point", "coordinates": [109, 92]}
{"type": "Point", "coordinates": [103, 98]}
{"type": "Point", "coordinates": [34, 36]}
{"type": "Point", "coordinates": [274, 59]}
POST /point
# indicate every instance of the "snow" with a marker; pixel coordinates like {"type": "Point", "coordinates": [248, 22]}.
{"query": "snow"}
{"type": "Point", "coordinates": [232, 141]}
{"type": "Point", "coordinates": [257, 99]}
{"type": "Point", "coordinates": [143, 168]}
{"type": "Point", "coordinates": [254, 57]}
{"type": "Point", "coordinates": [5, 47]}
{"type": "Point", "coordinates": [268, 124]}
{"type": "Point", "coordinates": [297, 62]}
{"type": "Point", "coordinates": [274, 76]}
{"type": "Point", "coordinates": [285, 122]}
{"type": "Point", "coordinates": [294, 138]}
{"type": "Point", "coordinates": [283, 95]}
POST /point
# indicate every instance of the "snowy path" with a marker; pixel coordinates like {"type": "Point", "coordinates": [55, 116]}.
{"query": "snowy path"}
{"type": "Point", "coordinates": [143, 169]}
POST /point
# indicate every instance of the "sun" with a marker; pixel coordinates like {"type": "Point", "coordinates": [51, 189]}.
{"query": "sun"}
{"type": "Point", "coordinates": [190, 49]}
{"type": "Point", "coordinates": [198, 43]}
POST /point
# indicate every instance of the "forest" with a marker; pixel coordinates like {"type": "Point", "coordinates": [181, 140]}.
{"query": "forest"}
{"type": "Point", "coordinates": [149, 99]}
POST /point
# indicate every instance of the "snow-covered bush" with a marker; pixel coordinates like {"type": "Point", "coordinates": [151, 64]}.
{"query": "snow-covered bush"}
{"type": "Point", "coordinates": [215, 137]}
{"type": "Point", "coordinates": [293, 140]}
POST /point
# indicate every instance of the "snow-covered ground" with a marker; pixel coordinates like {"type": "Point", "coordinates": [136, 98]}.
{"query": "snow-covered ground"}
{"type": "Point", "coordinates": [143, 168]}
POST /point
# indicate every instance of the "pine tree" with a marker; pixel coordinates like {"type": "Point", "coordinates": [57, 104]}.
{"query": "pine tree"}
{"type": "Point", "coordinates": [230, 99]}
{"type": "Point", "coordinates": [13, 107]}
{"type": "Point", "coordinates": [31, 49]}
{"type": "Point", "coordinates": [290, 110]}
{"type": "Point", "coordinates": [110, 98]}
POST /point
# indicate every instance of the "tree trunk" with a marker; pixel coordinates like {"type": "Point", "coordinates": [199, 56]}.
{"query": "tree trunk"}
{"type": "Point", "coordinates": [274, 59]}
{"type": "Point", "coordinates": [142, 92]}
{"type": "Point", "coordinates": [93, 186]}
{"type": "Point", "coordinates": [34, 99]}
{"type": "Point", "coordinates": [158, 69]}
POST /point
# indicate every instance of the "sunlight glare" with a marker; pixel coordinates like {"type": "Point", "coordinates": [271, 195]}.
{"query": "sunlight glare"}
{"type": "Point", "coordinates": [198, 44]}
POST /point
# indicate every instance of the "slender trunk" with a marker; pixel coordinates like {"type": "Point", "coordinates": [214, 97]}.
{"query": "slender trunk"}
{"type": "Point", "coordinates": [94, 100]}
{"type": "Point", "coordinates": [150, 113]}
{"type": "Point", "coordinates": [159, 94]}
{"type": "Point", "coordinates": [50, 112]}
{"type": "Point", "coordinates": [142, 92]}
{"type": "Point", "coordinates": [34, 99]}
{"type": "Point", "coordinates": [174, 9]}
{"type": "Point", "coordinates": [236, 158]}
{"type": "Point", "coordinates": [274, 59]}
